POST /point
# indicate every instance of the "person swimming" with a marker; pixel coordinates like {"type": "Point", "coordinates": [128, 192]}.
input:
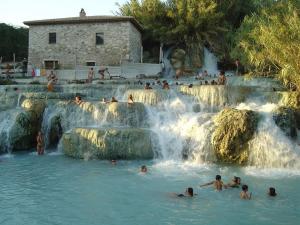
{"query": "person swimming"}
{"type": "Point", "coordinates": [235, 183]}
{"type": "Point", "coordinates": [144, 169]}
{"type": "Point", "coordinates": [218, 183]}
{"type": "Point", "coordinates": [272, 192]}
{"type": "Point", "coordinates": [189, 192]}
{"type": "Point", "coordinates": [113, 162]}
{"type": "Point", "coordinates": [244, 193]}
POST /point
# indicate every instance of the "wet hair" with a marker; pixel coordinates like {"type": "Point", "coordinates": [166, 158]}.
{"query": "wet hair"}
{"type": "Point", "coordinates": [190, 191]}
{"type": "Point", "coordinates": [237, 179]}
{"type": "Point", "coordinates": [191, 85]}
{"type": "Point", "coordinates": [218, 177]}
{"type": "Point", "coordinates": [222, 72]}
{"type": "Point", "coordinates": [245, 187]}
{"type": "Point", "coordinates": [143, 167]}
{"type": "Point", "coordinates": [78, 97]}
{"type": "Point", "coordinates": [206, 82]}
{"type": "Point", "coordinates": [272, 191]}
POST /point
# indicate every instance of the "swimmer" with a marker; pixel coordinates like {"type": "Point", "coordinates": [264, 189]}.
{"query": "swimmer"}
{"type": "Point", "coordinates": [244, 193]}
{"type": "Point", "coordinates": [235, 183]}
{"type": "Point", "coordinates": [113, 162]}
{"type": "Point", "coordinates": [144, 169]}
{"type": "Point", "coordinates": [218, 183]}
{"type": "Point", "coordinates": [189, 192]}
{"type": "Point", "coordinates": [272, 192]}
{"type": "Point", "coordinates": [147, 86]}
{"type": "Point", "coordinates": [40, 143]}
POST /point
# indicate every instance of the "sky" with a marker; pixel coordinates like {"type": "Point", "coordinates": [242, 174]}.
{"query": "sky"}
{"type": "Point", "coordinates": [15, 12]}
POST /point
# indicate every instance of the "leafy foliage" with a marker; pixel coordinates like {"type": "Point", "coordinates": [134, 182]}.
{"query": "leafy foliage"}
{"type": "Point", "coordinates": [190, 24]}
{"type": "Point", "coordinates": [268, 42]}
{"type": "Point", "coordinates": [13, 40]}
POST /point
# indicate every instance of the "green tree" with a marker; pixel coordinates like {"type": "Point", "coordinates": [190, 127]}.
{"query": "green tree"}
{"type": "Point", "coordinates": [13, 40]}
{"type": "Point", "coordinates": [268, 42]}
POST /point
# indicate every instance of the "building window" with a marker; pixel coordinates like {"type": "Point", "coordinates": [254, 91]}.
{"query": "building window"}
{"type": "Point", "coordinates": [99, 38]}
{"type": "Point", "coordinates": [91, 63]}
{"type": "Point", "coordinates": [52, 38]}
{"type": "Point", "coordinates": [51, 64]}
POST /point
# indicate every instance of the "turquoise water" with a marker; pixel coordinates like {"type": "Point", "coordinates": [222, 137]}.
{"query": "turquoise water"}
{"type": "Point", "coordinates": [53, 189]}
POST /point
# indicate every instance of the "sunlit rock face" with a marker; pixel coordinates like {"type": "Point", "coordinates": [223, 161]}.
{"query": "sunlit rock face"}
{"type": "Point", "coordinates": [120, 113]}
{"type": "Point", "coordinates": [108, 143]}
{"type": "Point", "coordinates": [285, 118]}
{"type": "Point", "coordinates": [19, 127]}
{"type": "Point", "coordinates": [233, 129]}
{"type": "Point", "coordinates": [217, 96]}
{"type": "Point", "coordinates": [149, 97]}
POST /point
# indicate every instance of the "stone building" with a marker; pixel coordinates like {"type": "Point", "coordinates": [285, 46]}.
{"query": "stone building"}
{"type": "Point", "coordinates": [84, 41]}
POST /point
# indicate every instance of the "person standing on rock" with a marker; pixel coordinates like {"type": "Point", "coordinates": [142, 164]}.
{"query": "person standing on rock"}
{"type": "Point", "coordinates": [40, 143]}
{"type": "Point", "coordinates": [91, 75]}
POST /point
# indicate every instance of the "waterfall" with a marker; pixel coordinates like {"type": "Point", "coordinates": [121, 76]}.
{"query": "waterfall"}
{"type": "Point", "coordinates": [7, 121]}
{"type": "Point", "coordinates": [270, 148]}
{"type": "Point", "coordinates": [168, 71]}
{"type": "Point", "coordinates": [210, 62]}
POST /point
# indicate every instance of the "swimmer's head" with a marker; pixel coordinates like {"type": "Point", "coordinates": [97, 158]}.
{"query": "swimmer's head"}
{"type": "Point", "coordinates": [237, 180]}
{"type": "Point", "coordinates": [245, 187]}
{"type": "Point", "coordinates": [113, 162]}
{"type": "Point", "coordinates": [189, 191]}
{"type": "Point", "coordinates": [143, 168]}
{"type": "Point", "coordinates": [272, 191]}
{"type": "Point", "coordinates": [218, 177]}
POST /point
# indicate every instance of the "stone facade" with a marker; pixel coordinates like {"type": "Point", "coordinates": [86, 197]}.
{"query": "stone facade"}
{"type": "Point", "coordinates": [76, 41]}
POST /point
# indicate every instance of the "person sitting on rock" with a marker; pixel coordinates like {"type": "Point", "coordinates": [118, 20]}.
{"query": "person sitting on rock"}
{"type": "Point", "coordinates": [147, 86]}
{"type": "Point", "coordinates": [104, 100]}
{"type": "Point", "coordinates": [144, 169]}
{"type": "Point", "coordinates": [52, 79]}
{"type": "Point", "coordinates": [222, 78]}
{"type": "Point", "coordinates": [272, 192]}
{"type": "Point", "coordinates": [113, 99]}
{"type": "Point", "coordinates": [244, 193]}
{"type": "Point", "coordinates": [40, 143]}
{"type": "Point", "coordinates": [78, 100]}
{"type": "Point", "coordinates": [189, 192]}
{"type": "Point", "coordinates": [218, 183]}
{"type": "Point", "coordinates": [130, 99]}
{"type": "Point", "coordinates": [165, 85]}
{"type": "Point", "coordinates": [235, 183]}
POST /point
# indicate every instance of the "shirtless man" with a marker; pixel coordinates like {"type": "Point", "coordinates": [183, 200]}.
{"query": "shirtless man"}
{"type": "Point", "coordinates": [222, 78]}
{"type": "Point", "coordinates": [244, 193]}
{"type": "Point", "coordinates": [218, 183]}
{"type": "Point", "coordinates": [40, 143]}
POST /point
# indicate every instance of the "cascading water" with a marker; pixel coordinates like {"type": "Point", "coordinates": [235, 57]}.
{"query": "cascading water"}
{"type": "Point", "coordinates": [210, 63]}
{"type": "Point", "coordinates": [270, 148]}
{"type": "Point", "coordinates": [168, 71]}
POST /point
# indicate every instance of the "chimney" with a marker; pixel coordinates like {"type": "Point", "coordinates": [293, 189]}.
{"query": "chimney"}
{"type": "Point", "coordinates": [82, 13]}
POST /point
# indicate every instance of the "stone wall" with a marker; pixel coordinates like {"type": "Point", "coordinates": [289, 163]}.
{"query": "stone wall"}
{"type": "Point", "coordinates": [76, 44]}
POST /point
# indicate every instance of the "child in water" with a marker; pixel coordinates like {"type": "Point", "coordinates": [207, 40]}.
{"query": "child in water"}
{"type": "Point", "coordinates": [244, 193]}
